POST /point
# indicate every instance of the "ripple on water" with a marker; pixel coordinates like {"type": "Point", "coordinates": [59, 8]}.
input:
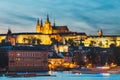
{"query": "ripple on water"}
{"type": "Point", "coordinates": [68, 76]}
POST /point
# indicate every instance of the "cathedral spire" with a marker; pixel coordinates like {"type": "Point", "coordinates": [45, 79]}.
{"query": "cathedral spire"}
{"type": "Point", "coordinates": [100, 33]}
{"type": "Point", "coordinates": [54, 24]}
{"type": "Point", "coordinates": [38, 22]}
{"type": "Point", "coordinates": [47, 19]}
{"type": "Point", "coordinates": [9, 31]}
{"type": "Point", "coordinates": [41, 23]}
{"type": "Point", "coordinates": [38, 26]}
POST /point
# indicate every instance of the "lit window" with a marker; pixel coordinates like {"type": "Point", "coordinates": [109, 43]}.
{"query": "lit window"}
{"type": "Point", "coordinates": [18, 59]}
{"type": "Point", "coordinates": [18, 54]}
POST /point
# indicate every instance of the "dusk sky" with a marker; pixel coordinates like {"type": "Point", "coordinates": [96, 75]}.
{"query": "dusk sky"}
{"type": "Point", "coordinates": [79, 15]}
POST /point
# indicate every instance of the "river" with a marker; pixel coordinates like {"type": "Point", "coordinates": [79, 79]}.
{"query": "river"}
{"type": "Point", "coordinates": [68, 76]}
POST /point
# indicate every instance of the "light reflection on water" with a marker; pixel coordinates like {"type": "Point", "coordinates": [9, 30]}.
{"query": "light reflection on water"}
{"type": "Point", "coordinates": [68, 76]}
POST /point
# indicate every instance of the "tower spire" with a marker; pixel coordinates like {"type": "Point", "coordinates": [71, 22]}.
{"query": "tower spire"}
{"type": "Point", "coordinates": [47, 18]}
{"type": "Point", "coordinates": [9, 31]}
{"type": "Point", "coordinates": [41, 23]}
{"type": "Point", "coordinates": [38, 26]}
{"type": "Point", "coordinates": [54, 24]}
{"type": "Point", "coordinates": [100, 33]}
{"type": "Point", "coordinates": [38, 22]}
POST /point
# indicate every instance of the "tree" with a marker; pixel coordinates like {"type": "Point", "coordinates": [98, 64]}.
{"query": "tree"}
{"type": "Point", "coordinates": [93, 56]}
{"type": "Point", "coordinates": [92, 43]}
{"type": "Point", "coordinates": [78, 59]}
{"type": "Point", "coordinates": [70, 42]}
{"type": "Point", "coordinates": [116, 53]}
{"type": "Point", "coordinates": [100, 43]}
{"type": "Point", "coordinates": [54, 41]}
{"type": "Point", "coordinates": [24, 40]}
{"type": "Point", "coordinates": [34, 40]}
{"type": "Point", "coordinates": [38, 41]}
{"type": "Point", "coordinates": [6, 43]}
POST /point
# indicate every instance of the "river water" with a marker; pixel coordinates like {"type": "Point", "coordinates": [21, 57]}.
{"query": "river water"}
{"type": "Point", "coordinates": [68, 76]}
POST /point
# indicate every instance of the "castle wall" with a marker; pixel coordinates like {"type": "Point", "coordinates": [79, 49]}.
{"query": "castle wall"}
{"type": "Point", "coordinates": [2, 38]}
{"type": "Point", "coordinates": [104, 41]}
{"type": "Point", "coordinates": [33, 39]}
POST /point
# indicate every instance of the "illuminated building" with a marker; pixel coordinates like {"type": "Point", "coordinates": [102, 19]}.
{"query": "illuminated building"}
{"type": "Point", "coordinates": [100, 40]}
{"type": "Point", "coordinates": [60, 61]}
{"type": "Point", "coordinates": [24, 58]}
{"type": "Point", "coordinates": [47, 28]}
{"type": "Point", "coordinates": [100, 33]}
{"type": "Point", "coordinates": [46, 33]}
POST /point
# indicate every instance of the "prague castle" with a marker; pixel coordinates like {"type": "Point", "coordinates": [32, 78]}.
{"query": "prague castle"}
{"type": "Point", "coordinates": [46, 34]}
{"type": "Point", "coordinates": [47, 28]}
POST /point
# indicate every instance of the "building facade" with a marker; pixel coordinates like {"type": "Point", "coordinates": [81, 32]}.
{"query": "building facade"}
{"type": "Point", "coordinates": [27, 60]}
{"type": "Point", "coordinates": [46, 32]}
{"type": "Point", "coordinates": [47, 28]}
{"type": "Point", "coordinates": [100, 40]}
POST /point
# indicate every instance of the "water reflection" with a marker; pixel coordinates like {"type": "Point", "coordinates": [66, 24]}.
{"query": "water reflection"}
{"type": "Point", "coordinates": [68, 76]}
{"type": "Point", "coordinates": [105, 74]}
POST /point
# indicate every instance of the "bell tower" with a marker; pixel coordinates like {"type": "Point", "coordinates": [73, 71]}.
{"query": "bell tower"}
{"type": "Point", "coordinates": [100, 33]}
{"type": "Point", "coordinates": [47, 26]}
{"type": "Point", "coordinates": [38, 26]}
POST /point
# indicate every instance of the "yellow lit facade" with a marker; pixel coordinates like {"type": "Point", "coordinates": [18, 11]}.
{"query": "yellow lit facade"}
{"type": "Point", "coordinates": [47, 28]}
{"type": "Point", "coordinates": [103, 41]}
{"type": "Point", "coordinates": [61, 48]}
{"type": "Point", "coordinates": [43, 35]}
{"type": "Point", "coordinates": [45, 32]}
{"type": "Point", "coordinates": [55, 62]}
{"type": "Point", "coordinates": [2, 37]}
{"type": "Point", "coordinates": [60, 62]}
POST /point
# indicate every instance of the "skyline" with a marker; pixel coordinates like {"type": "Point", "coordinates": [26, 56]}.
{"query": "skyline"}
{"type": "Point", "coordinates": [80, 16]}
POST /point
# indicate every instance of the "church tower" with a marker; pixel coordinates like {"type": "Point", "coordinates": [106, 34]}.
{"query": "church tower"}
{"type": "Point", "coordinates": [47, 28]}
{"type": "Point", "coordinates": [10, 40]}
{"type": "Point", "coordinates": [54, 24]}
{"type": "Point", "coordinates": [100, 33]}
{"type": "Point", "coordinates": [9, 36]}
{"type": "Point", "coordinates": [38, 26]}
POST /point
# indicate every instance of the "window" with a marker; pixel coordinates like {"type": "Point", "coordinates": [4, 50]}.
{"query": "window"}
{"type": "Point", "coordinates": [18, 54]}
{"type": "Point", "coordinates": [18, 59]}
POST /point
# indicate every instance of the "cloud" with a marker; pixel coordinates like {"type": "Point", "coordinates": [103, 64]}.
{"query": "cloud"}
{"type": "Point", "coordinates": [84, 15]}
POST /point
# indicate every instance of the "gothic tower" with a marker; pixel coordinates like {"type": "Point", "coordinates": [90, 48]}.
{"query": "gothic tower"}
{"type": "Point", "coordinates": [54, 24]}
{"type": "Point", "coordinates": [38, 26]}
{"type": "Point", "coordinates": [9, 36]}
{"type": "Point", "coordinates": [10, 40]}
{"type": "Point", "coordinates": [47, 28]}
{"type": "Point", "coordinates": [100, 33]}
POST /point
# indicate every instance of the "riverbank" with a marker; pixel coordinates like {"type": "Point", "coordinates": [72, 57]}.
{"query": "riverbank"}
{"type": "Point", "coordinates": [114, 70]}
{"type": "Point", "coordinates": [27, 74]}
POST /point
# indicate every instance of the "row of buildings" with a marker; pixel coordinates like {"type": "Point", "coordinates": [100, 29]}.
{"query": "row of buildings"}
{"type": "Point", "coordinates": [44, 57]}
{"type": "Point", "coordinates": [52, 47]}
{"type": "Point", "coordinates": [34, 58]}
{"type": "Point", "coordinates": [46, 33]}
{"type": "Point", "coordinates": [24, 58]}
